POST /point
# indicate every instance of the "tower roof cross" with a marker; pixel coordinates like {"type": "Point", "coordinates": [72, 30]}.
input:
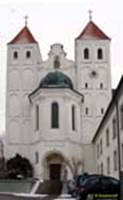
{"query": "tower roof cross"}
{"type": "Point", "coordinates": [26, 20]}
{"type": "Point", "coordinates": [90, 15]}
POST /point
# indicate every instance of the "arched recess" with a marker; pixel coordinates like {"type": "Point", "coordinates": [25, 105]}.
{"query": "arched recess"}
{"type": "Point", "coordinates": [85, 78]}
{"type": "Point", "coordinates": [54, 115]}
{"type": "Point", "coordinates": [28, 79]}
{"type": "Point", "coordinates": [14, 105]}
{"type": "Point", "coordinates": [101, 104]}
{"type": "Point", "coordinates": [14, 80]}
{"type": "Point", "coordinates": [88, 104]}
{"type": "Point", "coordinates": [100, 53]}
{"type": "Point", "coordinates": [102, 78]}
{"type": "Point", "coordinates": [73, 117]}
{"type": "Point", "coordinates": [14, 131]}
{"type": "Point", "coordinates": [54, 166]}
{"type": "Point", "coordinates": [86, 53]}
{"type": "Point", "coordinates": [26, 106]}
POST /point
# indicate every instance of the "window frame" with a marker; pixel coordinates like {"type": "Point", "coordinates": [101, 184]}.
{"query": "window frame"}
{"type": "Point", "coordinates": [86, 53]}
{"type": "Point", "coordinates": [108, 165]}
{"type": "Point", "coordinates": [121, 116]}
{"type": "Point", "coordinates": [54, 115]}
{"type": "Point", "coordinates": [56, 62]}
{"type": "Point", "coordinates": [122, 154]}
{"type": "Point", "coordinates": [115, 158]}
{"type": "Point", "coordinates": [100, 54]}
{"type": "Point", "coordinates": [28, 54]}
{"type": "Point", "coordinates": [36, 157]}
{"type": "Point", "coordinates": [107, 137]}
{"type": "Point", "coordinates": [114, 127]}
{"type": "Point", "coordinates": [101, 168]}
{"type": "Point", "coordinates": [86, 111]}
{"type": "Point", "coordinates": [73, 117]}
{"type": "Point", "coordinates": [101, 146]}
{"type": "Point", "coordinates": [15, 55]}
{"type": "Point", "coordinates": [86, 85]}
{"type": "Point", "coordinates": [37, 117]}
{"type": "Point", "coordinates": [102, 111]}
{"type": "Point", "coordinates": [101, 85]}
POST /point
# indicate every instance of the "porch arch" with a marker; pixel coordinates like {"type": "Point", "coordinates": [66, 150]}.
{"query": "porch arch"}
{"type": "Point", "coordinates": [54, 166]}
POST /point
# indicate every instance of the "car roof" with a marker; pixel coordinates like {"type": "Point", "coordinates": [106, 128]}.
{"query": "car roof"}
{"type": "Point", "coordinates": [99, 176]}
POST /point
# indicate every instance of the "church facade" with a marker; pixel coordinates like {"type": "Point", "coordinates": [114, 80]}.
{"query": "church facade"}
{"type": "Point", "coordinates": [53, 107]}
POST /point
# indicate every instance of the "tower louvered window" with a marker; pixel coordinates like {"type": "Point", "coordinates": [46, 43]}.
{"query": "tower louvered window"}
{"type": "Point", "coordinates": [15, 55]}
{"type": "Point", "coordinates": [100, 54]}
{"type": "Point", "coordinates": [28, 54]}
{"type": "Point", "coordinates": [86, 53]}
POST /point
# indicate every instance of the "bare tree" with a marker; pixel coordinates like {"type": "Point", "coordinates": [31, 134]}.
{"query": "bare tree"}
{"type": "Point", "coordinates": [74, 165]}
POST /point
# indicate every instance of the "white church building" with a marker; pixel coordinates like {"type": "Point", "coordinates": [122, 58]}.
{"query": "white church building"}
{"type": "Point", "coordinates": [53, 107]}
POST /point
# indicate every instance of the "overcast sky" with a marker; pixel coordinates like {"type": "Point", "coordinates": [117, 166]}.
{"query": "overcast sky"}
{"type": "Point", "coordinates": [60, 21]}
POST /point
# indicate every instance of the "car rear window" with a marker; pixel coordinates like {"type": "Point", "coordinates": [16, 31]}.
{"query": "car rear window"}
{"type": "Point", "coordinates": [90, 180]}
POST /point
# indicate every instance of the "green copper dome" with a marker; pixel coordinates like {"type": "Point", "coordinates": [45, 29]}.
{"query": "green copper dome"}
{"type": "Point", "coordinates": [56, 80]}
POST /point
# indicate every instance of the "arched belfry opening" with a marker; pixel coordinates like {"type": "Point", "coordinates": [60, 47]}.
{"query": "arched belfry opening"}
{"type": "Point", "coordinates": [54, 166]}
{"type": "Point", "coordinates": [56, 62]}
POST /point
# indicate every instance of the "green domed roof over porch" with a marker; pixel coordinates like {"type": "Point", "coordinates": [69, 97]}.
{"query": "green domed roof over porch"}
{"type": "Point", "coordinates": [56, 80]}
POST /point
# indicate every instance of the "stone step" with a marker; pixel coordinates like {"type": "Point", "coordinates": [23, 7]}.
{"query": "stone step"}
{"type": "Point", "coordinates": [51, 187]}
{"type": "Point", "coordinates": [6, 196]}
{"type": "Point", "coordinates": [64, 197]}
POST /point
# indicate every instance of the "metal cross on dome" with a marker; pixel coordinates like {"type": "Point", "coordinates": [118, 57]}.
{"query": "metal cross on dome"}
{"type": "Point", "coordinates": [26, 20]}
{"type": "Point", "coordinates": [90, 15]}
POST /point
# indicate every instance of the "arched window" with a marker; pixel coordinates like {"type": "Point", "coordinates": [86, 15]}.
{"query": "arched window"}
{"type": "Point", "coordinates": [99, 54]}
{"type": "Point", "coordinates": [37, 117]}
{"type": "Point", "coordinates": [86, 53]}
{"type": "Point", "coordinates": [101, 85]}
{"type": "Point", "coordinates": [115, 160]}
{"type": "Point", "coordinates": [101, 168]}
{"type": "Point", "coordinates": [108, 165]}
{"type": "Point", "coordinates": [28, 54]}
{"type": "Point", "coordinates": [102, 110]}
{"type": "Point", "coordinates": [56, 62]}
{"type": "Point", "coordinates": [86, 85]}
{"type": "Point", "coordinates": [86, 111]}
{"type": "Point", "coordinates": [121, 116]}
{"type": "Point", "coordinates": [114, 128]}
{"type": "Point", "coordinates": [73, 118]}
{"type": "Point", "coordinates": [55, 115]}
{"type": "Point", "coordinates": [15, 54]}
{"type": "Point", "coordinates": [107, 137]}
{"type": "Point", "coordinates": [36, 157]}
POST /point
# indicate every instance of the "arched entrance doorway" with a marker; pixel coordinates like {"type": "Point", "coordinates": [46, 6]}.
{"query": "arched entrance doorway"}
{"type": "Point", "coordinates": [55, 171]}
{"type": "Point", "coordinates": [54, 166]}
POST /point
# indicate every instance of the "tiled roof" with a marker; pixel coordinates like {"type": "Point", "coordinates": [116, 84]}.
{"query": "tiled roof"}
{"type": "Point", "coordinates": [24, 36]}
{"type": "Point", "coordinates": [92, 31]}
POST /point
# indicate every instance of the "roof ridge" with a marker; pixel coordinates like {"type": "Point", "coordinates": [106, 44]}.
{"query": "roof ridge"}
{"type": "Point", "coordinates": [24, 33]}
{"type": "Point", "coordinates": [92, 31]}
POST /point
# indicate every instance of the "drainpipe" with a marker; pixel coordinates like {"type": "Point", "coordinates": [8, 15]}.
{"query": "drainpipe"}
{"type": "Point", "coordinates": [119, 152]}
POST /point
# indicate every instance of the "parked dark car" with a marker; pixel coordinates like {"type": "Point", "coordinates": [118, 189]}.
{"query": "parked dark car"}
{"type": "Point", "coordinates": [98, 184]}
{"type": "Point", "coordinates": [74, 184]}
